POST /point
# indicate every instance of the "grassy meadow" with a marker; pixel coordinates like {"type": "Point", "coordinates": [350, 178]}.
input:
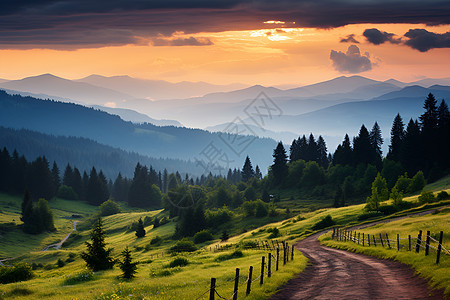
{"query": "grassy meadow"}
{"type": "Point", "coordinates": [156, 279]}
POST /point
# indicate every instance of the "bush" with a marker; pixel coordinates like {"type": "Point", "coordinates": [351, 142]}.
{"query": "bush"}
{"type": "Point", "coordinates": [156, 241]}
{"type": "Point", "coordinates": [109, 207]}
{"type": "Point", "coordinates": [66, 192]}
{"type": "Point", "coordinates": [60, 263]}
{"type": "Point", "coordinates": [18, 272]}
{"type": "Point", "coordinates": [235, 254]}
{"type": "Point", "coordinates": [417, 183]}
{"type": "Point", "coordinates": [81, 277]}
{"type": "Point", "coordinates": [178, 262]}
{"type": "Point", "coordinates": [202, 236]}
{"type": "Point", "coordinates": [248, 244]}
{"type": "Point", "coordinates": [326, 221]}
{"type": "Point", "coordinates": [274, 233]}
{"type": "Point", "coordinates": [369, 215]}
{"type": "Point", "coordinates": [215, 218]}
{"type": "Point", "coordinates": [426, 197]}
{"type": "Point", "coordinates": [388, 209]}
{"type": "Point", "coordinates": [442, 196]}
{"type": "Point", "coordinates": [183, 246]}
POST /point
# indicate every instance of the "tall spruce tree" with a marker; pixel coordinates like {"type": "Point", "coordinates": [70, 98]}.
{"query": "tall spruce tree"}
{"type": "Point", "coordinates": [344, 153]}
{"type": "Point", "coordinates": [258, 174]}
{"type": "Point", "coordinates": [97, 257]}
{"type": "Point", "coordinates": [279, 167]}
{"type": "Point", "coordinates": [397, 137]}
{"type": "Point", "coordinates": [140, 230]}
{"type": "Point", "coordinates": [55, 176]}
{"type": "Point", "coordinates": [322, 152]}
{"type": "Point", "coordinates": [247, 170]}
{"type": "Point", "coordinates": [363, 152]}
{"type": "Point", "coordinates": [443, 142]}
{"type": "Point", "coordinates": [376, 140]}
{"type": "Point", "coordinates": [127, 266]}
{"type": "Point", "coordinates": [412, 152]}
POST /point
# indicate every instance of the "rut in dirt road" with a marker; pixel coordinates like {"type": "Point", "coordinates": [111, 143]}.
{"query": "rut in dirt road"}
{"type": "Point", "coordinates": [338, 274]}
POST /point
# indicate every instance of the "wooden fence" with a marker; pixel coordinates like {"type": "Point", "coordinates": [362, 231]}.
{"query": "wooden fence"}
{"type": "Point", "coordinates": [428, 242]}
{"type": "Point", "coordinates": [267, 269]}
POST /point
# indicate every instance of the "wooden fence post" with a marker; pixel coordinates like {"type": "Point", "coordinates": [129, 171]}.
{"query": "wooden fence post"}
{"type": "Point", "coordinates": [249, 280]}
{"type": "Point", "coordinates": [354, 238]}
{"type": "Point", "coordinates": [381, 240]}
{"type": "Point", "coordinates": [292, 253]}
{"type": "Point", "coordinates": [269, 264]}
{"type": "Point", "coordinates": [261, 279]}
{"type": "Point", "coordinates": [441, 236]}
{"type": "Point", "coordinates": [368, 239]}
{"type": "Point", "coordinates": [387, 240]}
{"type": "Point", "coordinates": [363, 239]}
{"type": "Point", "coordinates": [374, 240]}
{"type": "Point", "coordinates": [287, 252]}
{"type": "Point", "coordinates": [236, 284]}
{"type": "Point", "coordinates": [358, 237]}
{"type": "Point", "coordinates": [278, 258]}
{"type": "Point", "coordinates": [212, 289]}
{"type": "Point", "coordinates": [409, 241]}
{"type": "Point", "coordinates": [427, 245]}
{"type": "Point", "coordinates": [284, 256]}
{"type": "Point", "coordinates": [419, 240]}
{"type": "Point", "coordinates": [398, 242]}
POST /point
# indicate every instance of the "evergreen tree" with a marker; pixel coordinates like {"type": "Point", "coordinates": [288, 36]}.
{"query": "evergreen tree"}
{"type": "Point", "coordinates": [397, 137]}
{"type": "Point", "coordinates": [312, 153]}
{"type": "Point", "coordinates": [443, 142]}
{"type": "Point", "coordinates": [55, 176]}
{"type": "Point", "coordinates": [322, 152]}
{"type": "Point", "coordinates": [363, 152]}
{"type": "Point", "coordinates": [97, 257]}
{"type": "Point", "coordinates": [293, 151]}
{"type": "Point", "coordinates": [258, 174]}
{"type": "Point", "coordinates": [247, 170]}
{"type": "Point", "coordinates": [380, 193]}
{"type": "Point", "coordinates": [67, 178]}
{"type": "Point", "coordinates": [40, 179]}
{"type": "Point", "coordinates": [27, 207]}
{"type": "Point", "coordinates": [344, 153]}
{"type": "Point", "coordinates": [376, 140]}
{"type": "Point", "coordinates": [77, 182]}
{"type": "Point", "coordinates": [337, 197]}
{"type": "Point", "coordinates": [412, 153]}
{"type": "Point", "coordinates": [429, 123]}
{"type": "Point", "coordinates": [140, 230]}
{"type": "Point", "coordinates": [279, 167]}
{"type": "Point", "coordinates": [127, 266]}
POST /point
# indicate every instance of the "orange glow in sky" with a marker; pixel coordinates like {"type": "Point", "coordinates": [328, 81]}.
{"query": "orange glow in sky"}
{"type": "Point", "coordinates": [268, 56]}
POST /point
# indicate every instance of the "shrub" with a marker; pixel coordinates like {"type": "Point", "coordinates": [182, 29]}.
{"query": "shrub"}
{"type": "Point", "coordinates": [183, 246]}
{"type": "Point", "coordinates": [66, 192]}
{"type": "Point", "coordinates": [109, 207]}
{"type": "Point", "coordinates": [178, 262]}
{"type": "Point", "coordinates": [274, 233]}
{"type": "Point", "coordinates": [156, 241]}
{"type": "Point", "coordinates": [248, 244]}
{"type": "Point", "coordinates": [60, 263]}
{"type": "Point", "coordinates": [427, 197]}
{"type": "Point", "coordinates": [417, 183]}
{"type": "Point", "coordinates": [202, 236]}
{"type": "Point", "coordinates": [442, 196]}
{"type": "Point", "coordinates": [81, 277]}
{"type": "Point", "coordinates": [326, 221]}
{"type": "Point", "coordinates": [18, 272]}
{"type": "Point", "coordinates": [235, 254]}
{"type": "Point", "coordinates": [388, 209]}
{"type": "Point", "coordinates": [215, 218]}
{"type": "Point", "coordinates": [369, 215]}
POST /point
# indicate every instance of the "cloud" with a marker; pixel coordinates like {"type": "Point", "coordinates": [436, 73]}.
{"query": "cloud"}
{"type": "Point", "coordinates": [352, 61]}
{"type": "Point", "coordinates": [349, 39]}
{"type": "Point", "coordinates": [378, 37]}
{"type": "Point", "coordinates": [81, 23]}
{"type": "Point", "coordinates": [191, 41]}
{"type": "Point", "coordinates": [423, 40]}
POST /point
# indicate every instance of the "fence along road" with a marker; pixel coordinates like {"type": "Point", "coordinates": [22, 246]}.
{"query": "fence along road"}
{"type": "Point", "coordinates": [338, 274]}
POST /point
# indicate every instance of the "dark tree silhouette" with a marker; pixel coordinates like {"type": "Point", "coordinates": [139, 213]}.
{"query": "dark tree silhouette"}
{"type": "Point", "coordinates": [126, 265]}
{"type": "Point", "coordinates": [247, 170]}
{"type": "Point", "coordinates": [97, 257]}
{"type": "Point", "coordinates": [397, 137]}
{"type": "Point", "coordinates": [322, 152]}
{"type": "Point", "coordinates": [140, 230]}
{"type": "Point", "coordinates": [279, 167]}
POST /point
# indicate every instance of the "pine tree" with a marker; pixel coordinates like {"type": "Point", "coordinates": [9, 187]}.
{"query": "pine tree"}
{"type": "Point", "coordinates": [293, 151]}
{"type": "Point", "coordinates": [311, 153]}
{"type": "Point", "coordinates": [429, 134]}
{"type": "Point", "coordinates": [140, 230]}
{"type": "Point", "coordinates": [247, 170]}
{"type": "Point", "coordinates": [376, 139]}
{"type": "Point", "coordinates": [322, 152]}
{"type": "Point", "coordinates": [67, 178]}
{"type": "Point", "coordinates": [55, 176]}
{"type": "Point", "coordinates": [397, 138]}
{"type": "Point", "coordinates": [97, 257]}
{"type": "Point", "coordinates": [363, 152]}
{"type": "Point", "coordinates": [443, 142]}
{"type": "Point", "coordinates": [258, 174]}
{"type": "Point", "coordinates": [279, 167]}
{"type": "Point", "coordinates": [380, 193]}
{"type": "Point", "coordinates": [127, 266]}
{"type": "Point", "coordinates": [344, 153]}
{"type": "Point", "coordinates": [412, 151]}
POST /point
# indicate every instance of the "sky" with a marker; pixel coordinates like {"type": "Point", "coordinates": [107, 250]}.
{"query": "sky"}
{"type": "Point", "coordinates": [274, 43]}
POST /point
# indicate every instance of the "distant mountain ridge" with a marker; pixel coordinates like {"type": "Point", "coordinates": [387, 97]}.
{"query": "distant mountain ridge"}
{"type": "Point", "coordinates": [67, 119]}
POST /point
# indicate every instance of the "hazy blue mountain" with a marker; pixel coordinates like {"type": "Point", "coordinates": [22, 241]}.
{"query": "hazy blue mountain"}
{"type": "Point", "coordinates": [135, 117]}
{"type": "Point", "coordinates": [85, 153]}
{"type": "Point", "coordinates": [428, 82]}
{"type": "Point", "coordinates": [67, 119]}
{"type": "Point", "coordinates": [157, 89]}
{"type": "Point", "coordinates": [337, 120]}
{"type": "Point", "coordinates": [79, 91]}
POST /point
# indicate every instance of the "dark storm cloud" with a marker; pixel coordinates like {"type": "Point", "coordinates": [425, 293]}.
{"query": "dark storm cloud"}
{"type": "Point", "coordinates": [191, 41]}
{"type": "Point", "coordinates": [352, 61]}
{"type": "Point", "coordinates": [423, 40]}
{"type": "Point", "coordinates": [40, 23]}
{"type": "Point", "coordinates": [349, 39]}
{"type": "Point", "coordinates": [378, 37]}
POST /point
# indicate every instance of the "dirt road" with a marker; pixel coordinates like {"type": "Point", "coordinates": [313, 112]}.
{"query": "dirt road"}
{"type": "Point", "coordinates": [337, 274]}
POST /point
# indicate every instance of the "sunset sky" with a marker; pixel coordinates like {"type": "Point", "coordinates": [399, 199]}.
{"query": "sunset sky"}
{"type": "Point", "coordinates": [266, 42]}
